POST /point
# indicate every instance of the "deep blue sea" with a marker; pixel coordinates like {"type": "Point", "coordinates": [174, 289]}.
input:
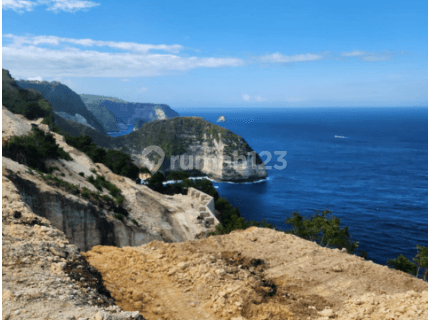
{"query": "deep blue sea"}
{"type": "Point", "coordinates": [375, 179]}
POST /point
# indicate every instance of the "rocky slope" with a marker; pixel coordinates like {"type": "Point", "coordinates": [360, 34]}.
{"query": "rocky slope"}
{"type": "Point", "coordinates": [125, 112]}
{"type": "Point", "coordinates": [65, 102]}
{"type": "Point", "coordinates": [88, 222]}
{"type": "Point", "coordinates": [256, 274]}
{"type": "Point", "coordinates": [211, 148]}
{"type": "Point", "coordinates": [44, 275]}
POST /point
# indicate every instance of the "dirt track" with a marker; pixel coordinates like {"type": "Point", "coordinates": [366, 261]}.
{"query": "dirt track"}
{"type": "Point", "coordinates": [255, 274]}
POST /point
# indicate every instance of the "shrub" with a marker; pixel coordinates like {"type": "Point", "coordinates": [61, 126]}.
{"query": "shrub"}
{"type": "Point", "coordinates": [82, 174]}
{"type": "Point", "coordinates": [86, 193]}
{"type": "Point", "coordinates": [402, 264]}
{"type": "Point", "coordinates": [107, 198]}
{"type": "Point", "coordinates": [117, 161]}
{"type": "Point", "coordinates": [52, 169]}
{"type": "Point", "coordinates": [323, 228]}
{"type": "Point", "coordinates": [34, 150]}
{"type": "Point", "coordinates": [119, 216]}
{"type": "Point", "coordinates": [135, 222]}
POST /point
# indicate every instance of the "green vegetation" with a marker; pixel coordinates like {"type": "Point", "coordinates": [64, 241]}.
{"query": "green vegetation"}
{"type": "Point", "coordinates": [119, 216]}
{"type": "Point", "coordinates": [100, 182]}
{"type": "Point", "coordinates": [135, 222]}
{"type": "Point", "coordinates": [421, 260]}
{"type": "Point", "coordinates": [82, 174]}
{"type": "Point", "coordinates": [117, 161]}
{"type": "Point", "coordinates": [322, 228]}
{"type": "Point", "coordinates": [139, 123]}
{"type": "Point", "coordinates": [33, 150]}
{"type": "Point", "coordinates": [28, 102]}
{"type": "Point", "coordinates": [228, 215]}
{"type": "Point", "coordinates": [403, 264]}
{"type": "Point", "coordinates": [63, 100]}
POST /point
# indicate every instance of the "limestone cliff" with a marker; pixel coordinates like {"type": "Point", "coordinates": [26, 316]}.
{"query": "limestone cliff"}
{"type": "Point", "coordinates": [124, 112]}
{"type": "Point", "coordinates": [152, 216]}
{"type": "Point", "coordinates": [194, 144]}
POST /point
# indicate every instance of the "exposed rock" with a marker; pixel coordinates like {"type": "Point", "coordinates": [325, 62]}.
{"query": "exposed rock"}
{"type": "Point", "coordinates": [88, 223]}
{"type": "Point", "coordinates": [44, 276]}
{"type": "Point", "coordinates": [279, 276]}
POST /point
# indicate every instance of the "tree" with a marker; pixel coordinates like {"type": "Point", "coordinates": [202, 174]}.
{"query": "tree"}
{"type": "Point", "coordinates": [421, 260]}
{"type": "Point", "coordinates": [322, 228]}
{"type": "Point", "coordinates": [402, 264]}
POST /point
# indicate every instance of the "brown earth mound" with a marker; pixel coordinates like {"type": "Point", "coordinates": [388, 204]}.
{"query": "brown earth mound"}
{"type": "Point", "coordinates": [255, 274]}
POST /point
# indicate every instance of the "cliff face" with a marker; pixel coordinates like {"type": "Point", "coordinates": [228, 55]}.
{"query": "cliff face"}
{"type": "Point", "coordinates": [86, 223]}
{"type": "Point", "coordinates": [65, 102]}
{"type": "Point", "coordinates": [193, 144]}
{"type": "Point", "coordinates": [109, 110]}
{"type": "Point", "coordinates": [189, 143]}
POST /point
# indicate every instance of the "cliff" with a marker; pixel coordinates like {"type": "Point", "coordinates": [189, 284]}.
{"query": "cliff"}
{"type": "Point", "coordinates": [88, 222]}
{"type": "Point", "coordinates": [211, 148]}
{"type": "Point", "coordinates": [65, 102]}
{"type": "Point", "coordinates": [191, 143]}
{"type": "Point", "coordinates": [109, 109]}
{"type": "Point", "coordinates": [44, 275]}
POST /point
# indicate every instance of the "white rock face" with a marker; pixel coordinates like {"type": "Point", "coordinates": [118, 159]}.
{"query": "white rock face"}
{"type": "Point", "coordinates": [86, 223]}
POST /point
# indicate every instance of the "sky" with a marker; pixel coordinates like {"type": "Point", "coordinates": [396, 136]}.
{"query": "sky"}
{"type": "Point", "coordinates": [224, 53]}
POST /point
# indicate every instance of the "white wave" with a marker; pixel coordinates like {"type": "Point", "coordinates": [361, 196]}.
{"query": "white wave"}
{"type": "Point", "coordinates": [340, 137]}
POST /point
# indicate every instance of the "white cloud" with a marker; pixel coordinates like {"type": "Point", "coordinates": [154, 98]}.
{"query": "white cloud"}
{"type": "Point", "coordinates": [57, 41]}
{"type": "Point", "coordinates": [124, 80]}
{"type": "Point", "coordinates": [248, 98]}
{"type": "Point", "coordinates": [52, 5]}
{"type": "Point", "coordinates": [35, 78]}
{"type": "Point", "coordinates": [353, 53]}
{"type": "Point", "coordinates": [143, 89]}
{"type": "Point", "coordinates": [280, 58]}
{"type": "Point", "coordinates": [32, 56]}
{"type": "Point", "coordinates": [18, 5]}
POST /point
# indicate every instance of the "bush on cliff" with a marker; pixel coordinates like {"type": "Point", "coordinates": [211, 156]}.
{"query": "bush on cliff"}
{"type": "Point", "coordinates": [118, 162]}
{"type": "Point", "coordinates": [403, 264]}
{"type": "Point", "coordinates": [33, 150]}
{"type": "Point", "coordinates": [322, 228]}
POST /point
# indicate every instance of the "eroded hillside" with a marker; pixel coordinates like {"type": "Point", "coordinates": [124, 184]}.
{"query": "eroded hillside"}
{"type": "Point", "coordinates": [255, 274]}
{"type": "Point", "coordinates": [88, 221]}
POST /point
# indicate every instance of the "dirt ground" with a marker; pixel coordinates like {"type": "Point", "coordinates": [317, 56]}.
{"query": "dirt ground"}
{"type": "Point", "coordinates": [255, 274]}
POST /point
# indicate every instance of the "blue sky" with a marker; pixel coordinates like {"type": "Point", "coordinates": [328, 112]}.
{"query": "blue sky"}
{"type": "Point", "coordinates": [225, 53]}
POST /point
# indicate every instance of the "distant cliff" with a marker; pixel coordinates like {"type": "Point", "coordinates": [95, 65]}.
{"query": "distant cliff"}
{"type": "Point", "coordinates": [110, 109]}
{"type": "Point", "coordinates": [65, 102]}
{"type": "Point", "coordinates": [210, 149]}
{"type": "Point", "coordinates": [182, 137]}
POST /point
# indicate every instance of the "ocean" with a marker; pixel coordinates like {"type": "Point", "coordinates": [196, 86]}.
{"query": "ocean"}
{"type": "Point", "coordinates": [368, 165]}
